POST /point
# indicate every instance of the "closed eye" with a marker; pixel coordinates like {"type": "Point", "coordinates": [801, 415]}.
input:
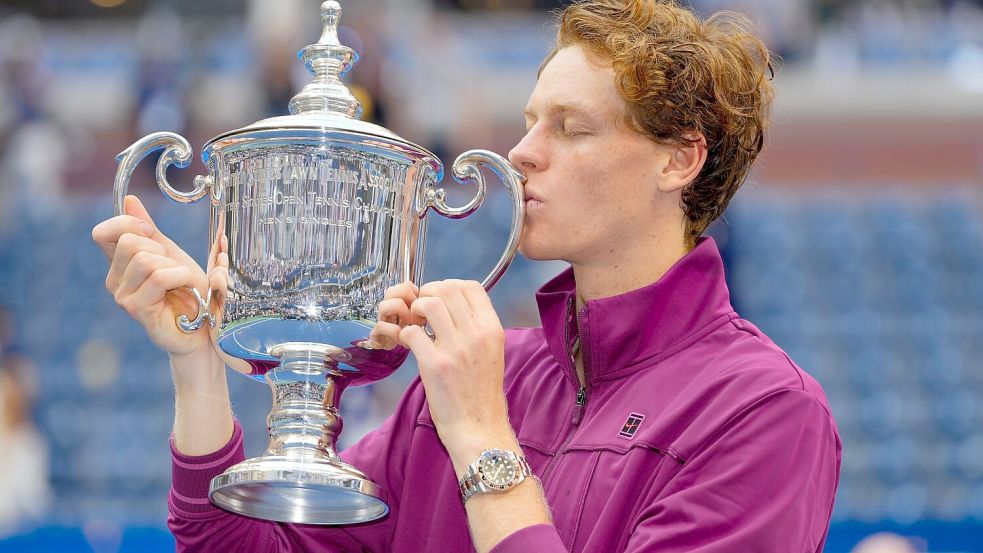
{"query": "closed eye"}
{"type": "Point", "coordinates": [576, 131]}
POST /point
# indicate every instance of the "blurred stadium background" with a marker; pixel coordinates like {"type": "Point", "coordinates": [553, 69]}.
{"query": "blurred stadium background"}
{"type": "Point", "coordinates": [857, 244]}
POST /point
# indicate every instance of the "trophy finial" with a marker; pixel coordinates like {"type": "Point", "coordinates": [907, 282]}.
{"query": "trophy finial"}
{"type": "Point", "coordinates": [327, 60]}
{"type": "Point", "coordinates": [330, 16]}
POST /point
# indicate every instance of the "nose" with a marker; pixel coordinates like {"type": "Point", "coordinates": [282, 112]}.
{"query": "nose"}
{"type": "Point", "coordinates": [528, 155]}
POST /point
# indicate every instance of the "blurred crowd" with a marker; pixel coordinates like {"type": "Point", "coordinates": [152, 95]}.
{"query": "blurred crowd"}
{"type": "Point", "coordinates": [23, 450]}
{"type": "Point", "coordinates": [79, 83]}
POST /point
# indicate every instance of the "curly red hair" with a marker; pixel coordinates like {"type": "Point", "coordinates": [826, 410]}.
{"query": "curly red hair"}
{"type": "Point", "coordinates": [679, 74]}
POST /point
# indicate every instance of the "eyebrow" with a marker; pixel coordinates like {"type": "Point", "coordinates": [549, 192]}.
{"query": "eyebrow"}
{"type": "Point", "coordinates": [571, 108]}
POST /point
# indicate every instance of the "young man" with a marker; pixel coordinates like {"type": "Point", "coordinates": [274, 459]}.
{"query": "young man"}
{"type": "Point", "coordinates": [651, 416]}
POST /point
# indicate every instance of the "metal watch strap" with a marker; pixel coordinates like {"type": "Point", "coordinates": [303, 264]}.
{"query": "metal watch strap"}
{"type": "Point", "coordinates": [471, 484]}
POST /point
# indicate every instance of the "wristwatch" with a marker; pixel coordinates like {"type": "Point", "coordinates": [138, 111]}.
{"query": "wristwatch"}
{"type": "Point", "coordinates": [496, 470]}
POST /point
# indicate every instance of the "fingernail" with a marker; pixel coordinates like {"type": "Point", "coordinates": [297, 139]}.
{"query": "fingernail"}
{"type": "Point", "coordinates": [146, 228]}
{"type": "Point", "coordinates": [370, 344]}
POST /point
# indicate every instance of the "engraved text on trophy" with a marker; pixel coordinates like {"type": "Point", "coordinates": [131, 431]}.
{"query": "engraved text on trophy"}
{"type": "Point", "coordinates": [305, 226]}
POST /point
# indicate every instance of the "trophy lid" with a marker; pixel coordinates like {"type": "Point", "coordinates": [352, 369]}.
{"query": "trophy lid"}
{"type": "Point", "coordinates": [326, 103]}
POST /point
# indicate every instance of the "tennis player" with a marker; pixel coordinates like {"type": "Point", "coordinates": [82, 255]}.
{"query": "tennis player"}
{"type": "Point", "coordinates": [643, 416]}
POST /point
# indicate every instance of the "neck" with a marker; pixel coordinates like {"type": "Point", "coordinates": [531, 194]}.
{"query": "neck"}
{"type": "Point", "coordinates": [601, 277]}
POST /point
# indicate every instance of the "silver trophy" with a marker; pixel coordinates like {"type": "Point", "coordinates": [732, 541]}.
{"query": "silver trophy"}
{"type": "Point", "coordinates": [322, 213]}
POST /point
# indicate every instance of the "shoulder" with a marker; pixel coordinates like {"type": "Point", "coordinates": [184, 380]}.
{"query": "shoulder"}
{"type": "Point", "coordinates": [735, 362]}
{"type": "Point", "coordinates": [751, 360]}
{"type": "Point", "coordinates": [738, 374]}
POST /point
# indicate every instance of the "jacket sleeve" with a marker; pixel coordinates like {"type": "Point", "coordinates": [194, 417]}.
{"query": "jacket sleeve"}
{"type": "Point", "coordinates": [199, 526]}
{"type": "Point", "coordinates": [542, 538]}
{"type": "Point", "coordinates": [765, 483]}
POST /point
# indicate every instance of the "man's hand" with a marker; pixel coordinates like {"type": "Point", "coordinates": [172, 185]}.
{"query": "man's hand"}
{"type": "Point", "coordinates": [462, 367]}
{"type": "Point", "coordinates": [149, 276]}
{"type": "Point", "coordinates": [463, 370]}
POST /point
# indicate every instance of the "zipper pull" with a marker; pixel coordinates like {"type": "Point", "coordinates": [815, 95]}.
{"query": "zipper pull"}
{"type": "Point", "coordinates": [578, 408]}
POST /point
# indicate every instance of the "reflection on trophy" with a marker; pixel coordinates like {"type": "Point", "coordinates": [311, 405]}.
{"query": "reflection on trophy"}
{"type": "Point", "coordinates": [322, 213]}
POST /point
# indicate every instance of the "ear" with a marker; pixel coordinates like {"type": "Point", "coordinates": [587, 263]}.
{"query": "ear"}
{"type": "Point", "coordinates": [684, 163]}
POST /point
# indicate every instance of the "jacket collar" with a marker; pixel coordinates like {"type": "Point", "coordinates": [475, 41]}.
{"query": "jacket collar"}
{"type": "Point", "coordinates": [619, 333]}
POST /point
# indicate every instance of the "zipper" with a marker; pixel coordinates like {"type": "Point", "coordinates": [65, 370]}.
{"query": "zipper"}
{"type": "Point", "coordinates": [578, 407]}
{"type": "Point", "coordinates": [567, 319]}
{"type": "Point", "coordinates": [585, 353]}
{"type": "Point", "coordinates": [581, 399]}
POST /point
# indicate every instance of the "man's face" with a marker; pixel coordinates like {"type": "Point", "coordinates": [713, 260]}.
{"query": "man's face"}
{"type": "Point", "coordinates": [591, 189]}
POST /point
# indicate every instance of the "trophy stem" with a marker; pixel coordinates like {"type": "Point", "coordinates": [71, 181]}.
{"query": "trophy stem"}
{"type": "Point", "coordinates": [300, 478]}
{"type": "Point", "coordinates": [305, 420]}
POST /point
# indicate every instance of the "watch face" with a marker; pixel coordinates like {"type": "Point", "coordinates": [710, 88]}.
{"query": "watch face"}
{"type": "Point", "coordinates": [497, 469]}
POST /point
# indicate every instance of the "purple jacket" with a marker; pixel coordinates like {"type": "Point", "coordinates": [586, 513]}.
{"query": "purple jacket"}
{"type": "Point", "coordinates": [694, 433]}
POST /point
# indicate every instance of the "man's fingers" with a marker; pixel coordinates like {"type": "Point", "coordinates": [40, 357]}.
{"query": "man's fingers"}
{"type": "Point", "coordinates": [406, 290]}
{"type": "Point", "coordinates": [395, 307]}
{"type": "Point", "coordinates": [449, 292]}
{"type": "Point", "coordinates": [434, 311]}
{"type": "Point", "coordinates": [218, 283]}
{"type": "Point", "coordinates": [385, 335]}
{"type": "Point", "coordinates": [138, 270]}
{"type": "Point", "coordinates": [127, 247]}
{"type": "Point", "coordinates": [106, 234]}
{"type": "Point", "coordinates": [416, 339]}
{"type": "Point", "coordinates": [213, 252]}
{"type": "Point", "coordinates": [156, 286]}
{"type": "Point", "coordinates": [394, 310]}
{"type": "Point", "coordinates": [218, 278]}
{"type": "Point", "coordinates": [394, 314]}
{"type": "Point", "coordinates": [480, 302]}
{"type": "Point", "coordinates": [134, 207]}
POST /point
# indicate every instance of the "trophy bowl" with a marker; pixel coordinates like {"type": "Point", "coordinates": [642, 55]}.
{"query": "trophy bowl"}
{"type": "Point", "coordinates": [318, 213]}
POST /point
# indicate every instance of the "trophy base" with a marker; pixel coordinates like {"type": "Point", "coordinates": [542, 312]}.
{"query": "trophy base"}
{"type": "Point", "coordinates": [301, 492]}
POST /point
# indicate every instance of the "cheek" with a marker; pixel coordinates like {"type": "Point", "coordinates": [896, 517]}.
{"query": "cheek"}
{"type": "Point", "coordinates": [603, 185]}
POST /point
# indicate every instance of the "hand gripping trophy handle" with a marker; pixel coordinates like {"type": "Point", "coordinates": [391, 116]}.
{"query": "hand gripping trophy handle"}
{"type": "Point", "coordinates": [177, 151]}
{"type": "Point", "coordinates": [467, 167]}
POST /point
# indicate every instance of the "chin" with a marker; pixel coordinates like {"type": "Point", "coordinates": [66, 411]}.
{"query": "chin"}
{"type": "Point", "coordinates": [537, 252]}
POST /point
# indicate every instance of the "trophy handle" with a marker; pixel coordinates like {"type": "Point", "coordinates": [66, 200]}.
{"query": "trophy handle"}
{"type": "Point", "coordinates": [177, 151]}
{"type": "Point", "coordinates": [467, 167]}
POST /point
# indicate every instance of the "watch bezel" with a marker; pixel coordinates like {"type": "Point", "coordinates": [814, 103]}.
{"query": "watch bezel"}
{"type": "Point", "coordinates": [514, 469]}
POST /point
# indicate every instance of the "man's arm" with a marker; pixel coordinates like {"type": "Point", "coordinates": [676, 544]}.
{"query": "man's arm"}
{"type": "Point", "coordinates": [462, 369]}
{"type": "Point", "coordinates": [202, 410]}
{"type": "Point", "coordinates": [491, 516]}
